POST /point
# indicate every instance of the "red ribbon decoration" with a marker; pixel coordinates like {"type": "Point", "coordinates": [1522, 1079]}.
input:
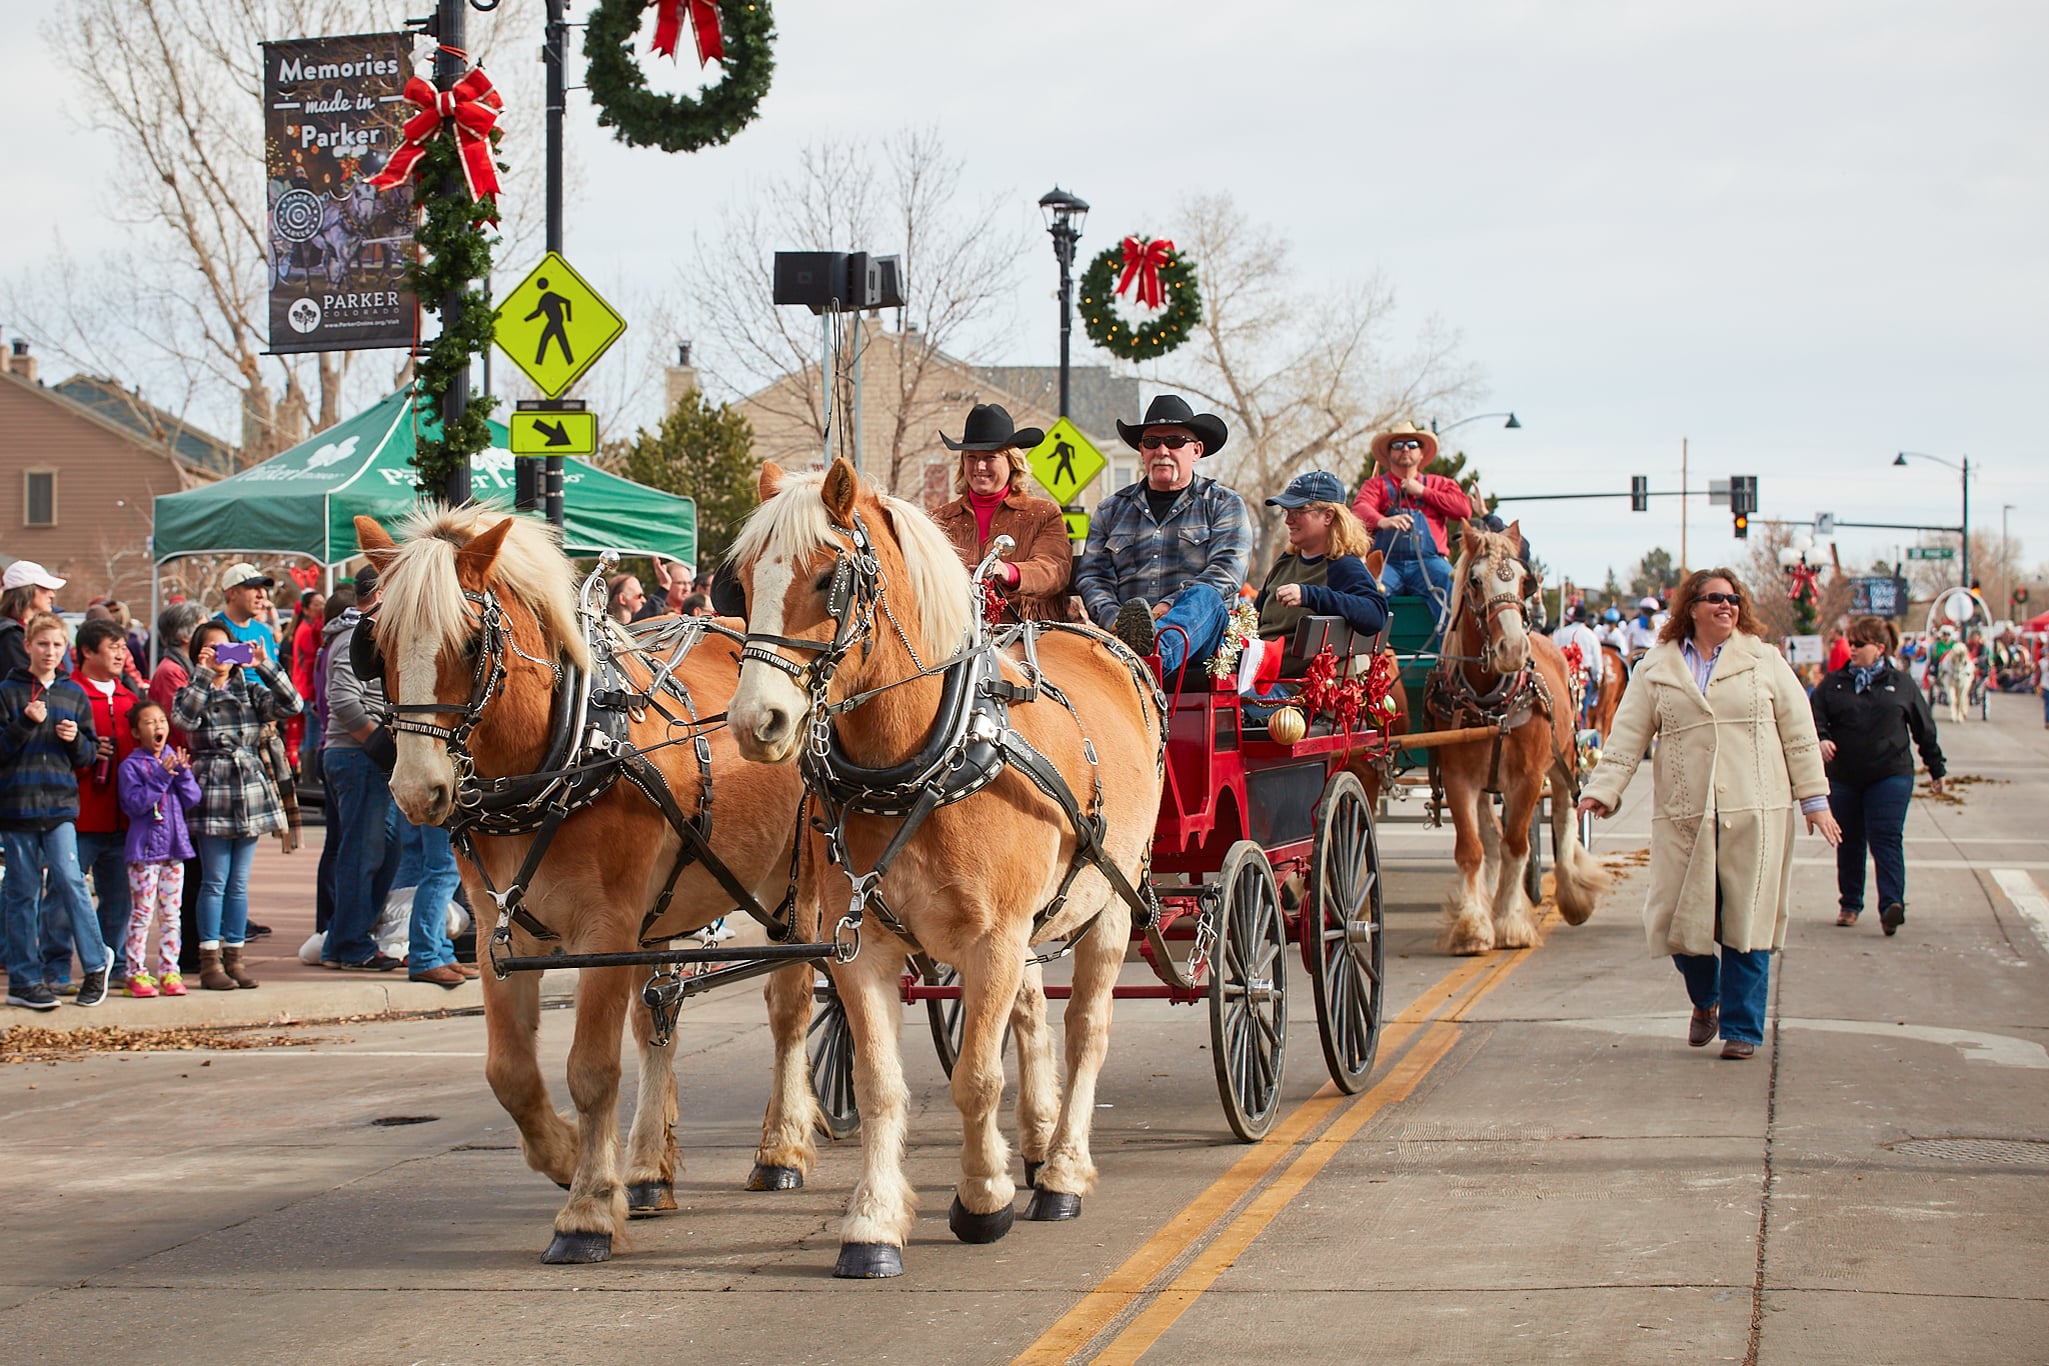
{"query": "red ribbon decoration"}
{"type": "Point", "coordinates": [1804, 584]}
{"type": "Point", "coordinates": [1142, 262]}
{"type": "Point", "coordinates": [471, 107]}
{"type": "Point", "coordinates": [704, 20]}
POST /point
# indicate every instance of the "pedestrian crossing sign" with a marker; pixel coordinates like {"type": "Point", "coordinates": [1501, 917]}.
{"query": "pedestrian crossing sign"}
{"type": "Point", "coordinates": [554, 326]}
{"type": "Point", "coordinates": [1065, 462]}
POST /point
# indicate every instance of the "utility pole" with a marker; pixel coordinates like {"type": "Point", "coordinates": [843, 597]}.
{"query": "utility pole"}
{"type": "Point", "coordinates": [555, 54]}
{"type": "Point", "coordinates": [1682, 507]}
{"type": "Point", "coordinates": [449, 62]}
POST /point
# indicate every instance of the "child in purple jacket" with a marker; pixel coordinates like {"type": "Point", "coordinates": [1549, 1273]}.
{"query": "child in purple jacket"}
{"type": "Point", "coordinates": [157, 788]}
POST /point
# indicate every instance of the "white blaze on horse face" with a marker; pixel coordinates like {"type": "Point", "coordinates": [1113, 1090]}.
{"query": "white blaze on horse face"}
{"type": "Point", "coordinates": [423, 782]}
{"type": "Point", "coordinates": [767, 710]}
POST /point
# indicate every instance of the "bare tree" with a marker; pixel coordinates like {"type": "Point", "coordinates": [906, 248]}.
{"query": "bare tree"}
{"type": "Point", "coordinates": [1304, 374]}
{"type": "Point", "coordinates": [959, 260]}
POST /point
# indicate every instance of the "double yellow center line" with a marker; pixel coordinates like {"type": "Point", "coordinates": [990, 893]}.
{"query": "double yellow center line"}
{"type": "Point", "coordinates": [1433, 1022]}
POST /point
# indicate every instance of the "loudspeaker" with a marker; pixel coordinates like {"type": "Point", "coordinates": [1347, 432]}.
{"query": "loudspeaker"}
{"type": "Point", "coordinates": [814, 279]}
{"type": "Point", "coordinates": [890, 286]}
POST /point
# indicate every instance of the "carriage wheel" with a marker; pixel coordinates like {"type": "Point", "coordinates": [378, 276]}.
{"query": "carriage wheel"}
{"type": "Point", "coordinates": [1341, 928]}
{"type": "Point", "coordinates": [1533, 868]}
{"type": "Point", "coordinates": [1248, 995]}
{"type": "Point", "coordinates": [832, 1066]}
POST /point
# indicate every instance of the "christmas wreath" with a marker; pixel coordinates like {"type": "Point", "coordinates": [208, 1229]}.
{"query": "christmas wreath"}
{"type": "Point", "coordinates": [738, 33]}
{"type": "Point", "coordinates": [1165, 283]}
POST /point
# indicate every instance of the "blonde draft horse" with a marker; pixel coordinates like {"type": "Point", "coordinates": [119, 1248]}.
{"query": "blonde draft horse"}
{"type": "Point", "coordinates": [1488, 646]}
{"type": "Point", "coordinates": [604, 870]}
{"type": "Point", "coordinates": [974, 875]}
{"type": "Point", "coordinates": [1613, 680]}
{"type": "Point", "coordinates": [1958, 671]}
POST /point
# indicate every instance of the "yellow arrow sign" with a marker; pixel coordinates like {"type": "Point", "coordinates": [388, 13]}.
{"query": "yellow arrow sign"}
{"type": "Point", "coordinates": [1077, 525]}
{"type": "Point", "coordinates": [554, 326]}
{"type": "Point", "coordinates": [1065, 462]}
{"type": "Point", "coordinates": [544, 433]}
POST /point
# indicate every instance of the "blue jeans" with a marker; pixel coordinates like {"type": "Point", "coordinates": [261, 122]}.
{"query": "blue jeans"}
{"type": "Point", "coordinates": [427, 861]}
{"type": "Point", "coordinates": [360, 819]}
{"type": "Point", "coordinates": [1201, 612]}
{"type": "Point", "coordinates": [103, 856]}
{"type": "Point", "coordinates": [1414, 567]}
{"type": "Point", "coordinates": [224, 889]}
{"type": "Point", "coordinates": [1739, 984]}
{"type": "Point", "coordinates": [1874, 815]}
{"type": "Point", "coordinates": [323, 878]}
{"type": "Point", "coordinates": [25, 896]}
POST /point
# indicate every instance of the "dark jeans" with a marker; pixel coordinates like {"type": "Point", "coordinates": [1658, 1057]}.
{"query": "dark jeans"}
{"type": "Point", "coordinates": [323, 879]}
{"type": "Point", "coordinates": [366, 856]}
{"type": "Point", "coordinates": [1740, 984]}
{"type": "Point", "coordinates": [102, 857]}
{"type": "Point", "coordinates": [1874, 815]}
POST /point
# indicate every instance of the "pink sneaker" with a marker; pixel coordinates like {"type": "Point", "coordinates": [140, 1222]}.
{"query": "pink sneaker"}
{"type": "Point", "coordinates": [142, 984]}
{"type": "Point", "coordinates": [171, 985]}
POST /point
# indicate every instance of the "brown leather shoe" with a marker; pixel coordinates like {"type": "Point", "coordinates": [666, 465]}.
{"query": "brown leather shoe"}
{"type": "Point", "coordinates": [1701, 1029]}
{"type": "Point", "coordinates": [1737, 1049]}
{"type": "Point", "coordinates": [444, 976]}
{"type": "Point", "coordinates": [469, 970]}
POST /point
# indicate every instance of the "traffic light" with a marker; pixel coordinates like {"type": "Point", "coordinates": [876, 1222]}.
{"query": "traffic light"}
{"type": "Point", "coordinates": [1742, 526]}
{"type": "Point", "coordinates": [1639, 493]}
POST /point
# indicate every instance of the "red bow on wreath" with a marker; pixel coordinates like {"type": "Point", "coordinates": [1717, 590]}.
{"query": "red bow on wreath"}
{"type": "Point", "coordinates": [471, 106]}
{"type": "Point", "coordinates": [1142, 262]}
{"type": "Point", "coordinates": [704, 19]}
{"type": "Point", "coordinates": [1804, 585]}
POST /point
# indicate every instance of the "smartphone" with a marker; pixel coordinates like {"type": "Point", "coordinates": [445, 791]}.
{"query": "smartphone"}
{"type": "Point", "coordinates": [234, 652]}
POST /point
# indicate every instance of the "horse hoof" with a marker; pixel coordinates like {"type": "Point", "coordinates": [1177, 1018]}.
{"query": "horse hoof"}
{"type": "Point", "coordinates": [774, 1178]}
{"type": "Point", "coordinates": [1049, 1207]}
{"type": "Point", "coordinates": [868, 1262]}
{"type": "Point", "coordinates": [645, 1199]}
{"type": "Point", "coordinates": [1032, 1173]}
{"type": "Point", "coordinates": [970, 1227]}
{"type": "Point", "coordinates": [578, 1249]}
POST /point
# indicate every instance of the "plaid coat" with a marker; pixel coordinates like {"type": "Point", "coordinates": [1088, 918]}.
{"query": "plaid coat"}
{"type": "Point", "coordinates": [238, 798]}
{"type": "Point", "coordinates": [1206, 538]}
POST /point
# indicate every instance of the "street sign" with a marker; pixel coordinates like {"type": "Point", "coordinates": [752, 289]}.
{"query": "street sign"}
{"type": "Point", "coordinates": [1824, 524]}
{"type": "Point", "coordinates": [554, 326]}
{"type": "Point", "coordinates": [1931, 552]}
{"type": "Point", "coordinates": [557, 433]}
{"type": "Point", "coordinates": [1718, 493]}
{"type": "Point", "coordinates": [1077, 525]}
{"type": "Point", "coordinates": [1065, 463]}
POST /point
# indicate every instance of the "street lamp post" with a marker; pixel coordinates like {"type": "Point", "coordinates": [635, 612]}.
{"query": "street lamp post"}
{"type": "Point", "coordinates": [1065, 214]}
{"type": "Point", "coordinates": [2005, 560]}
{"type": "Point", "coordinates": [1511, 424]}
{"type": "Point", "coordinates": [1964, 472]}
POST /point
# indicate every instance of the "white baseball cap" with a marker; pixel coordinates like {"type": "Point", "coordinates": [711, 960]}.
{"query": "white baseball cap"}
{"type": "Point", "coordinates": [26, 573]}
{"type": "Point", "coordinates": [1649, 604]}
{"type": "Point", "coordinates": [243, 573]}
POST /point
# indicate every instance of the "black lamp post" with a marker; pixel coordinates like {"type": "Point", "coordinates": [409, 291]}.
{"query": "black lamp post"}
{"type": "Point", "coordinates": [1512, 424]}
{"type": "Point", "coordinates": [1964, 474]}
{"type": "Point", "coordinates": [1065, 214]}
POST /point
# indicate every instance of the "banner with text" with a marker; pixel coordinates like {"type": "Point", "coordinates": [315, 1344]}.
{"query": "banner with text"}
{"type": "Point", "coordinates": [332, 111]}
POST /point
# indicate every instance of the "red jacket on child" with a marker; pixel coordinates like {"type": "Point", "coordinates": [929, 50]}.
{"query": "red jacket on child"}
{"type": "Point", "coordinates": [99, 804]}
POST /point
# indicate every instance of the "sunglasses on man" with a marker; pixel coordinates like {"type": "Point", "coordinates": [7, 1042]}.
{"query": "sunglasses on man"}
{"type": "Point", "coordinates": [1405, 445]}
{"type": "Point", "coordinates": [1172, 443]}
{"type": "Point", "coordinates": [1721, 599]}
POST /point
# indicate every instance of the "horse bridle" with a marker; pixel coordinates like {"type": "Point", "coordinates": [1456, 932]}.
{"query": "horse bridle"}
{"type": "Point", "coordinates": [485, 681]}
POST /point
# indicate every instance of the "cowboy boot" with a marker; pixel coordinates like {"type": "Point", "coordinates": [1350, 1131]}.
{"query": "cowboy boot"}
{"type": "Point", "coordinates": [211, 978]}
{"type": "Point", "coordinates": [231, 962]}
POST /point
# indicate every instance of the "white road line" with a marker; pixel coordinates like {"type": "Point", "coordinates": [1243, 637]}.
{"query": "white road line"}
{"type": "Point", "coordinates": [2027, 898]}
{"type": "Point", "coordinates": [1975, 1045]}
{"type": "Point", "coordinates": [1914, 863]}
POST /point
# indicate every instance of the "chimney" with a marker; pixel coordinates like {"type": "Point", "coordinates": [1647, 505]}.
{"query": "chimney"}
{"type": "Point", "coordinates": [20, 362]}
{"type": "Point", "coordinates": [681, 378]}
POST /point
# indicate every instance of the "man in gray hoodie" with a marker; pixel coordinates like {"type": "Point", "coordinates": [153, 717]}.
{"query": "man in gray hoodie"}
{"type": "Point", "coordinates": [361, 815]}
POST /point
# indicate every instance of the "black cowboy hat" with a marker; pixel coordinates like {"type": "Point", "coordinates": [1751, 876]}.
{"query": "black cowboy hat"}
{"type": "Point", "coordinates": [989, 428]}
{"type": "Point", "coordinates": [1171, 410]}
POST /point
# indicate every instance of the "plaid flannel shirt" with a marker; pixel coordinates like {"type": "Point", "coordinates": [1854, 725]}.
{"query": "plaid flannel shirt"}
{"type": "Point", "coordinates": [237, 796]}
{"type": "Point", "coordinates": [1206, 538]}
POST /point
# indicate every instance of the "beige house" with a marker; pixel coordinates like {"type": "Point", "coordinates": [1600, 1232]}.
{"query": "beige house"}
{"type": "Point", "coordinates": [77, 486]}
{"type": "Point", "coordinates": [909, 391]}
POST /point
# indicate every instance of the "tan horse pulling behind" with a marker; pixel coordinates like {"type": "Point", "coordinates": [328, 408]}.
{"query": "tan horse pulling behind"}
{"type": "Point", "coordinates": [1614, 678]}
{"type": "Point", "coordinates": [861, 658]}
{"type": "Point", "coordinates": [471, 591]}
{"type": "Point", "coordinates": [1496, 672]}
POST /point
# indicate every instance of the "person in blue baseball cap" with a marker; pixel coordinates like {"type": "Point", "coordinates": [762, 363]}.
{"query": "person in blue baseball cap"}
{"type": "Point", "coordinates": [1322, 573]}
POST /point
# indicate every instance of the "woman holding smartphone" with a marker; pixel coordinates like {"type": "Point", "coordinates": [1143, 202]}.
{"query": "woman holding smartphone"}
{"type": "Point", "coordinates": [234, 691]}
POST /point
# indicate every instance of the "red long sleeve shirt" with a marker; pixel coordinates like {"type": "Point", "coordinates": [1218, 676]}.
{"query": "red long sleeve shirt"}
{"type": "Point", "coordinates": [1382, 496]}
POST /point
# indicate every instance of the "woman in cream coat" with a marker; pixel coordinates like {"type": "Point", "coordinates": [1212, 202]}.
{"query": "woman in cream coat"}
{"type": "Point", "coordinates": [1736, 750]}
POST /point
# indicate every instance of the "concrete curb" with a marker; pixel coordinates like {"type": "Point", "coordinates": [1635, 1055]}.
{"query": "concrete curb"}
{"type": "Point", "coordinates": [279, 1003]}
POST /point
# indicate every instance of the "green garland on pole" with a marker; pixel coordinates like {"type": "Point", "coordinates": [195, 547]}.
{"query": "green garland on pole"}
{"type": "Point", "coordinates": [1106, 329]}
{"type": "Point", "coordinates": [676, 123]}
{"type": "Point", "coordinates": [457, 257]}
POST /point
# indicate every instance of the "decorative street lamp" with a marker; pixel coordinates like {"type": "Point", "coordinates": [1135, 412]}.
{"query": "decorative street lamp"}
{"type": "Point", "coordinates": [1065, 214]}
{"type": "Point", "coordinates": [1964, 471]}
{"type": "Point", "coordinates": [1511, 424]}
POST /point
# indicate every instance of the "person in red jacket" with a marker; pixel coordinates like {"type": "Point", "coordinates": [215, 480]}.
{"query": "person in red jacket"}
{"type": "Point", "coordinates": [1406, 510]}
{"type": "Point", "coordinates": [101, 649]}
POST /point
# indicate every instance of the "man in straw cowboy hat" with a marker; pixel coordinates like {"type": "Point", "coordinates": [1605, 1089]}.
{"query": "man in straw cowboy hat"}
{"type": "Point", "coordinates": [995, 500]}
{"type": "Point", "coordinates": [1406, 510]}
{"type": "Point", "coordinates": [1171, 550]}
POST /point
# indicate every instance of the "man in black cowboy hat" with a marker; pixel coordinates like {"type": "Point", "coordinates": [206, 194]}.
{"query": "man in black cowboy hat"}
{"type": "Point", "coordinates": [1172, 550]}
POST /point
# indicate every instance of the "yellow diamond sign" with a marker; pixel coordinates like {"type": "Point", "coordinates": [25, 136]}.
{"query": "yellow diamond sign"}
{"type": "Point", "coordinates": [554, 326]}
{"type": "Point", "coordinates": [1065, 462]}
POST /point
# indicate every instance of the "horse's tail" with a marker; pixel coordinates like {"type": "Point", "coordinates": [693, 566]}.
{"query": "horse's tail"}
{"type": "Point", "coordinates": [1578, 877]}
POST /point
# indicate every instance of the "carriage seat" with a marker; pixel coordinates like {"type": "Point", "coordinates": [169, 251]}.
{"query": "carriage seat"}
{"type": "Point", "coordinates": [1313, 634]}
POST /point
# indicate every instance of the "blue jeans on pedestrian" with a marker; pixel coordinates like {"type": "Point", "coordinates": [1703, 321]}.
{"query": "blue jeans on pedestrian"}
{"type": "Point", "coordinates": [102, 856]}
{"type": "Point", "coordinates": [1875, 816]}
{"type": "Point", "coordinates": [224, 865]}
{"type": "Point", "coordinates": [359, 826]}
{"type": "Point", "coordinates": [1740, 984]}
{"type": "Point", "coordinates": [27, 899]}
{"type": "Point", "coordinates": [1201, 612]}
{"type": "Point", "coordinates": [427, 862]}
{"type": "Point", "coordinates": [323, 877]}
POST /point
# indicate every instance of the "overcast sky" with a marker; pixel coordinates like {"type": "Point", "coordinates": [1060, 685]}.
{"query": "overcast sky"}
{"type": "Point", "coordinates": [1803, 236]}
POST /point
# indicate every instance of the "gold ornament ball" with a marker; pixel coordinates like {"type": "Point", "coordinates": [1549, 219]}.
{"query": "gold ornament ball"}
{"type": "Point", "coordinates": [1287, 726]}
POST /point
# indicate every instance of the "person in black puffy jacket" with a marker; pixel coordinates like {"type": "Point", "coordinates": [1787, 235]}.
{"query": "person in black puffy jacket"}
{"type": "Point", "coordinates": [1870, 718]}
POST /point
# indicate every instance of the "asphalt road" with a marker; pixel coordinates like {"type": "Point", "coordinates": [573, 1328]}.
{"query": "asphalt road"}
{"type": "Point", "coordinates": [1543, 1170]}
